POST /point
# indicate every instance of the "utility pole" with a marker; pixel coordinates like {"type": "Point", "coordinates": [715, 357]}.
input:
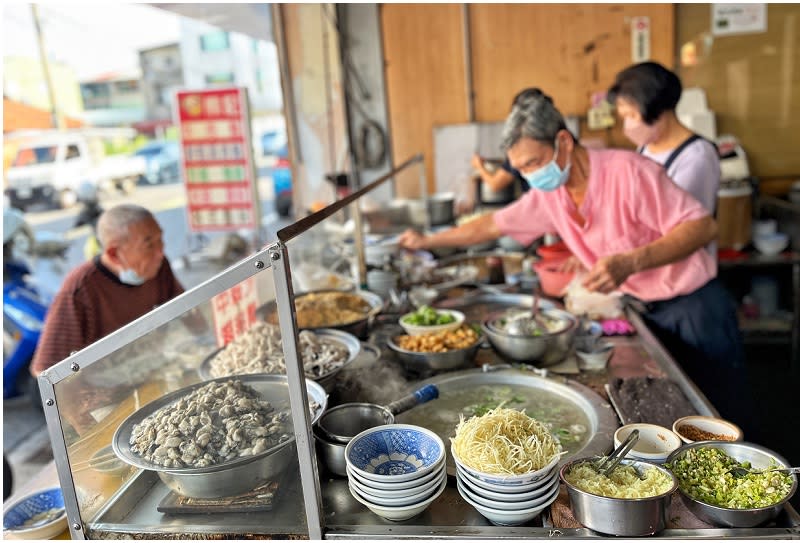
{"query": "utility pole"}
{"type": "Point", "coordinates": [57, 119]}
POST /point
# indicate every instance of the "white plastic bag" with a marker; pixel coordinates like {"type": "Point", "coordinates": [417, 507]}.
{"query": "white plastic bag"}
{"type": "Point", "coordinates": [595, 305]}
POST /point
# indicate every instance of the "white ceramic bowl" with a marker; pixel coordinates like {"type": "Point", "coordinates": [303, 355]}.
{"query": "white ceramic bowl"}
{"type": "Point", "coordinates": [510, 518]}
{"type": "Point", "coordinates": [771, 244]}
{"type": "Point", "coordinates": [474, 487]}
{"type": "Point", "coordinates": [514, 481]}
{"type": "Point", "coordinates": [720, 427]}
{"type": "Point", "coordinates": [401, 513]}
{"type": "Point", "coordinates": [655, 442]}
{"type": "Point", "coordinates": [420, 495]}
{"type": "Point", "coordinates": [414, 330]}
{"type": "Point", "coordinates": [505, 505]}
{"type": "Point", "coordinates": [511, 491]}
{"type": "Point", "coordinates": [28, 507]}
{"type": "Point", "coordinates": [377, 252]}
{"type": "Point", "coordinates": [596, 359]}
{"type": "Point", "coordinates": [391, 485]}
{"type": "Point", "coordinates": [378, 493]}
{"type": "Point", "coordinates": [395, 453]}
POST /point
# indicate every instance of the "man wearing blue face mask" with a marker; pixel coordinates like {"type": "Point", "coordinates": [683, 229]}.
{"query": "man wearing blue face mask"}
{"type": "Point", "coordinates": [127, 280]}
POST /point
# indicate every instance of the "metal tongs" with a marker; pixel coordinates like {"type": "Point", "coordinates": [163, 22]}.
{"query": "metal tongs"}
{"type": "Point", "coordinates": [606, 465]}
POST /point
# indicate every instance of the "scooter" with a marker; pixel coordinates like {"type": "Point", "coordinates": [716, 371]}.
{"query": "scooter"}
{"type": "Point", "coordinates": [24, 306]}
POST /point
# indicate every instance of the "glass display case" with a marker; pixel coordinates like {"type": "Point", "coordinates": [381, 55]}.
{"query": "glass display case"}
{"type": "Point", "coordinates": [126, 414]}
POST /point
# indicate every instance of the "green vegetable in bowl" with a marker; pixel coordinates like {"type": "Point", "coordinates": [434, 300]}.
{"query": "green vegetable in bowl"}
{"type": "Point", "coordinates": [704, 474]}
{"type": "Point", "coordinates": [428, 316]}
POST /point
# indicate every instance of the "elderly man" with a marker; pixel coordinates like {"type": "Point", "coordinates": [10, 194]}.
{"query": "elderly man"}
{"type": "Point", "coordinates": [127, 280]}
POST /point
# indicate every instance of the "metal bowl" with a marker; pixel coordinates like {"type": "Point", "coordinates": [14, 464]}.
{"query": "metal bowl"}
{"type": "Point", "coordinates": [359, 328]}
{"type": "Point", "coordinates": [759, 457]}
{"type": "Point", "coordinates": [327, 380]}
{"type": "Point", "coordinates": [331, 453]}
{"type": "Point", "coordinates": [620, 516]}
{"type": "Point", "coordinates": [422, 362]}
{"type": "Point", "coordinates": [227, 478]}
{"type": "Point", "coordinates": [547, 349]}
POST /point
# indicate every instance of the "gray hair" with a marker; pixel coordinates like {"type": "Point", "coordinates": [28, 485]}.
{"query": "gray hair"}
{"type": "Point", "coordinates": [532, 116]}
{"type": "Point", "coordinates": [114, 224]}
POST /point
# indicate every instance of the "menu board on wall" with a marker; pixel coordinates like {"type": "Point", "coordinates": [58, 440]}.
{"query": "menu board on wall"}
{"type": "Point", "coordinates": [217, 159]}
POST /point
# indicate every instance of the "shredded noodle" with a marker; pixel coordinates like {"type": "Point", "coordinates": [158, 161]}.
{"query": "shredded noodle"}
{"type": "Point", "coordinates": [623, 482]}
{"type": "Point", "coordinates": [504, 442]}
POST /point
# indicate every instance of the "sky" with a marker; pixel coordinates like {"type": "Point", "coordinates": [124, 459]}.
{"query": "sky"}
{"type": "Point", "coordinates": [91, 38]}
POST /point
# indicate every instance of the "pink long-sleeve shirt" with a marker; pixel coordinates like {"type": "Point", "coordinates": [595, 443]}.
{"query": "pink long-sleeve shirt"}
{"type": "Point", "coordinates": [629, 202]}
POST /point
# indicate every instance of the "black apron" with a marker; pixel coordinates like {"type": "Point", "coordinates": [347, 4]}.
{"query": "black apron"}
{"type": "Point", "coordinates": [679, 149]}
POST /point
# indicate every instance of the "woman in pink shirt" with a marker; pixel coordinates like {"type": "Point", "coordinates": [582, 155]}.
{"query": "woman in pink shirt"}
{"type": "Point", "coordinates": [630, 226]}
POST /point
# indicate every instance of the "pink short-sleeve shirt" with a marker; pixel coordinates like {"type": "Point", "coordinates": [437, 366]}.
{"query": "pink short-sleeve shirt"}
{"type": "Point", "coordinates": [629, 202]}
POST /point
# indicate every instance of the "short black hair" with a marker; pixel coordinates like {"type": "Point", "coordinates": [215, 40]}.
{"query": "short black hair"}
{"type": "Point", "coordinates": [652, 87]}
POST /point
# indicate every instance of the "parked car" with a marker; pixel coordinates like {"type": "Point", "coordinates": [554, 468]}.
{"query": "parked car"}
{"type": "Point", "coordinates": [163, 162]}
{"type": "Point", "coordinates": [50, 168]}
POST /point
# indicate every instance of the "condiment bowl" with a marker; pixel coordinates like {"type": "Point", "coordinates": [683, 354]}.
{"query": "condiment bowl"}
{"type": "Point", "coordinates": [43, 511]}
{"type": "Point", "coordinates": [712, 425]}
{"type": "Point", "coordinates": [620, 516]}
{"type": "Point", "coordinates": [595, 359]}
{"type": "Point", "coordinates": [655, 442]}
{"type": "Point", "coordinates": [395, 453]}
{"type": "Point", "coordinates": [759, 458]}
{"type": "Point", "coordinates": [423, 362]}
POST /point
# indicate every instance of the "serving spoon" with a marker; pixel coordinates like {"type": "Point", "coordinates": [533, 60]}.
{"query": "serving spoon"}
{"type": "Point", "coordinates": [526, 325]}
{"type": "Point", "coordinates": [739, 471]}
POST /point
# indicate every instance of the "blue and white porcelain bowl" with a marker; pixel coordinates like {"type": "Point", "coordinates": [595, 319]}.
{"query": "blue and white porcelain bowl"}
{"type": "Point", "coordinates": [516, 481]}
{"type": "Point", "coordinates": [392, 485]}
{"type": "Point", "coordinates": [503, 505]}
{"type": "Point", "coordinates": [511, 490]}
{"type": "Point", "coordinates": [423, 493]}
{"type": "Point", "coordinates": [503, 495]}
{"type": "Point", "coordinates": [500, 517]}
{"type": "Point", "coordinates": [404, 512]}
{"type": "Point", "coordinates": [421, 485]}
{"type": "Point", "coordinates": [39, 515]}
{"type": "Point", "coordinates": [395, 453]}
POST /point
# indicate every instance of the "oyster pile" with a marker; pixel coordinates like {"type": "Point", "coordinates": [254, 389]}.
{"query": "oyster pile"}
{"type": "Point", "coordinates": [216, 423]}
{"type": "Point", "coordinates": [259, 350]}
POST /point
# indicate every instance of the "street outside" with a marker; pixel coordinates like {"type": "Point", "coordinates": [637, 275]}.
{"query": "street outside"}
{"type": "Point", "coordinates": [26, 443]}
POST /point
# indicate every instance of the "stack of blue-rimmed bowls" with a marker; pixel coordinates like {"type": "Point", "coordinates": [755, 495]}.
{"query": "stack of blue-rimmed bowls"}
{"type": "Point", "coordinates": [508, 500]}
{"type": "Point", "coordinates": [396, 470]}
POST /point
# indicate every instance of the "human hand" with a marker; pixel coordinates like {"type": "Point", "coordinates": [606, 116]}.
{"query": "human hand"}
{"type": "Point", "coordinates": [571, 264]}
{"type": "Point", "coordinates": [464, 204]}
{"type": "Point", "coordinates": [477, 162]}
{"type": "Point", "coordinates": [609, 273]}
{"type": "Point", "coordinates": [411, 239]}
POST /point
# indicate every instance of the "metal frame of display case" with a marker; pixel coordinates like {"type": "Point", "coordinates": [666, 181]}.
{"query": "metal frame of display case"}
{"type": "Point", "coordinates": [274, 257]}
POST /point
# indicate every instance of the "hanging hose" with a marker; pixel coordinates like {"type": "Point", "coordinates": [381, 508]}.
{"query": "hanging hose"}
{"type": "Point", "coordinates": [371, 145]}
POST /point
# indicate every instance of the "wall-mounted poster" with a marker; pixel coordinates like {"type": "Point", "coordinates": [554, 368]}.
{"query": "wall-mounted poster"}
{"type": "Point", "coordinates": [729, 19]}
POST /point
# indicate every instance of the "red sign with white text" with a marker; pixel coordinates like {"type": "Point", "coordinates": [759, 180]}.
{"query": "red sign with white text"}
{"type": "Point", "coordinates": [217, 159]}
{"type": "Point", "coordinates": [234, 311]}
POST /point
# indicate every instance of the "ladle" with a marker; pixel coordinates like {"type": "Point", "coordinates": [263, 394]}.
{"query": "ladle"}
{"type": "Point", "coordinates": [343, 422]}
{"type": "Point", "coordinates": [527, 325]}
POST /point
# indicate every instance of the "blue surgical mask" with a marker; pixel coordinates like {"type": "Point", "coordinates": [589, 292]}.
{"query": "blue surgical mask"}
{"type": "Point", "coordinates": [130, 277]}
{"type": "Point", "coordinates": [549, 177]}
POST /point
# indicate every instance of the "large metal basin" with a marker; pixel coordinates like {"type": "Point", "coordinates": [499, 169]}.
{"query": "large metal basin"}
{"type": "Point", "coordinates": [546, 349]}
{"type": "Point", "coordinates": [359, 328]}
{"type": "Point", "coordinates": [601, 419]}
{"type": "Point", "coordinates": [228, 478]}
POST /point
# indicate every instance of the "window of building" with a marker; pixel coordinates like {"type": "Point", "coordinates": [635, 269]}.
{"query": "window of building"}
{"type": "Point", "coordinates": [220, 77]}
{"type": "Point", "coordinates": [215, 41]}
{"type": "Point", "coordinates": [126, 87]}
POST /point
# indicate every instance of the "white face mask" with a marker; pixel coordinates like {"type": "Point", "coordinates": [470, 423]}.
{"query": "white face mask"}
{"type": "Point", "coordinates": [130, 277]}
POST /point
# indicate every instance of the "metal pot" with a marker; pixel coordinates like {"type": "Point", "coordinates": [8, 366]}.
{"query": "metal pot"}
{"type": "Point", "coordinates": [359, 328]}
{"type": "Point", "coordinates": [441, 208]}
{"type": "Point", "coordinates": [423, 362]}
{"type": "Point", "coordinates": [339, 425]}
{"type": "Point", "coordinates": [228, 478]}
{"type": "Point", "coordinates": [619, 516]}
{"type": "Point", "coordinates": [547, 349]}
